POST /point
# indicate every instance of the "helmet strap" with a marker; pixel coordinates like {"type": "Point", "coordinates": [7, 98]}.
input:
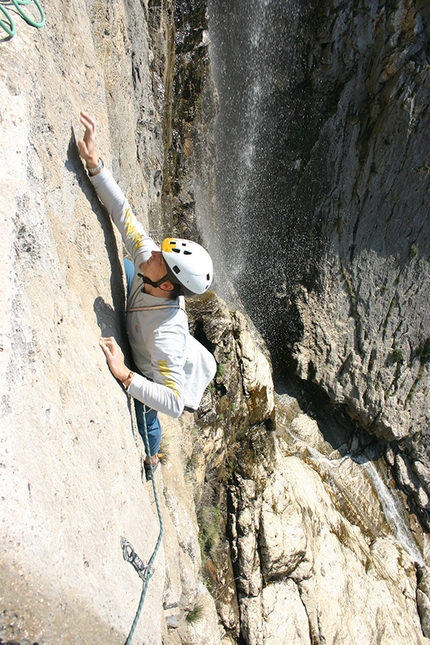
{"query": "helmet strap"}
{"type": "Point", "coordinates": [151, 282]}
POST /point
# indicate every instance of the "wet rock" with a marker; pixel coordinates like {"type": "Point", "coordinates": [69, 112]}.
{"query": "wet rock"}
{"type": "Point", "coordinates": [346, 192]}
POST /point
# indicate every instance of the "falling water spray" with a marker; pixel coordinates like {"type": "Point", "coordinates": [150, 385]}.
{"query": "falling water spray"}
{"type": "Point", "coordinates": [253, 59]}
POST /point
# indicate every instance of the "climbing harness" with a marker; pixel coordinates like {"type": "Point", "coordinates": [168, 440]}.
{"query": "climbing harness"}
{"type": "Point", "coordinates": [144, 571]}
{"type": "Point", "coordinates": [10, 28]}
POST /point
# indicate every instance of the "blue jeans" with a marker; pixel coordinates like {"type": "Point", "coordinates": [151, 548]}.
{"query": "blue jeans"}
{"type": "Point", "coordinates": [143, 413]}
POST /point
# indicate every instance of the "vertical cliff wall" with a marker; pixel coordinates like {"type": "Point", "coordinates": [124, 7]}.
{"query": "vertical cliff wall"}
{"type": "Point", "coordinates": [375, 226]}
{"type": "Point", "coordinates": [71, 461]}
{"type": "Point", "coordinates": [323, 177]}
{"type": "Point", "coordinates": [280, 530]}
{"type": "Point", "coordinates": [70, 458]}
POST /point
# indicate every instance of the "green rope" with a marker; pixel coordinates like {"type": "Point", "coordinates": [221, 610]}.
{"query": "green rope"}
{"type": "Point", "coordinates": [10, 28]}
{"type": "Point", "coordinates": [22, 3]}
{"type": "Point", "coordinates": [148, 571]}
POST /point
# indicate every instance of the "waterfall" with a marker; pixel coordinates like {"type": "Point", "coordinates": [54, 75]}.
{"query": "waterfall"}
{"type": "Point", "coordinates": [389, 500]}
{"type": "Point", "coordinates": [253, 60]}
{"type": "Point", "coordinates": [393, 511]}
{"type": "Point", "coordinates": [260, 239]}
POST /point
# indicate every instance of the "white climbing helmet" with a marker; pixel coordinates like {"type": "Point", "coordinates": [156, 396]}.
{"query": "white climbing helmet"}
{"type": "Point", "coordinates": [188, 264]}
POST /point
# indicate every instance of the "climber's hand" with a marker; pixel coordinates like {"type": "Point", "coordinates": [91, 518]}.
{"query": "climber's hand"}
{"type": "Point", "coordinates": [87, 145]}
{"type": "Point", "coordinates": [115, 358]}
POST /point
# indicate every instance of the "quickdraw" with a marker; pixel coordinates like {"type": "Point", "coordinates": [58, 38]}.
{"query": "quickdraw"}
{"type": "Point", "coordinates": [144, 571]}
{"type": "Point", "coordinates": [130, 555]}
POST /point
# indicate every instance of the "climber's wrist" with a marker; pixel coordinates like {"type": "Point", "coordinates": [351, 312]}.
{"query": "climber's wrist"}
{"type": "Point", "coordinates": [94, 165]}
{"type": "Point", "coordinates": [127, 381]}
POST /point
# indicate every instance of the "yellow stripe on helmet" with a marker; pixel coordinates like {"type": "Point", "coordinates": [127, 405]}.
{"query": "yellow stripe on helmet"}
{"type": "Point", "coordinates": [168, 244]}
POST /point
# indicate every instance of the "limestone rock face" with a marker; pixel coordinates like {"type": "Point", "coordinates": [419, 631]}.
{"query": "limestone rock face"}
{"type": "Point", "coordinates": [70, 471]}
{"type": "Point", "coordinates": [365, 320]}
{"type": "Point", "coordinates": [244, 381]}
{"type": "Point", "coordinates": [307, 570]}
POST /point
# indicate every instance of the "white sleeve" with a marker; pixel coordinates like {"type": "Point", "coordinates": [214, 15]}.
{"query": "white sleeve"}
{"type": "Point", "coordinates": [156, 396]}
{"type": "Point", "coordinates": [166, 392]}
{"type": "Point", "coordinates": [136, 240]}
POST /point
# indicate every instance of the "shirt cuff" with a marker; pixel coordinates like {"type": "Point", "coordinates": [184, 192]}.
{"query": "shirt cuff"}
{"type": "Point", "coordinates": [136, 386]}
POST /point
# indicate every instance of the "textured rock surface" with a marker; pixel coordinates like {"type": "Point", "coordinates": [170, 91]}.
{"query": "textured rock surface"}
{"type": "Point", "coordinates": [312, 537]}
{"type": "Point", "coordinates": [71, 462]}
{"type": "Point", "coordinates": [371, 331]}
{"type": "Point", "coordinates": [365, 337]}
{"type": "Point", "coordinates": [335, 153]}
{"type": "Point", "coordinates": [284, 522]}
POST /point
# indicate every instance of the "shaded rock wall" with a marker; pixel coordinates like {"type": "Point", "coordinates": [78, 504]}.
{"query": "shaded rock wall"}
{"type": "Point", "coordinates": [330, 190]}
{"type": "Point", "coordinates": [365, 322]}
{"type": "Point", "coordinates": [373, 211]}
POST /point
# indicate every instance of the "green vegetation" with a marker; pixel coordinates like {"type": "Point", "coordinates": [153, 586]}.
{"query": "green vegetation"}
{"type": "Point", "coordinates": [411, 392]}
{"type": "Point", "coordinates": [226, 469]}
{"type": "Point", "coordinates": [413, 251]}
{"type": "Point", "coordinates": [211, 388]}
{"type": "Point", "coordinates": [398, 356]}
{"type": "Point", "coordinates": [195, 614]}
{"type": "Point", "coordinates": [165, 448]}
{"type": "Point", "coordinates": [423, 354]}
{"type": "Point", "coordinates": [423, 351]}
{"type": "Point", "coordinates": [388, 316]}
{"type": "Point", "coordinates": [349, 286]}
{"type": "Point", "coordinates": [425, 169]}
{"type": "Point", "coordinates": [220, 371]}
{"type": "Point", "coordinates": [209, 520]}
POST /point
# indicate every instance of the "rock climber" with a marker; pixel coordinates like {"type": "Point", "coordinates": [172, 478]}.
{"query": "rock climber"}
{"type": "Point", "coordinates": [172, 369]}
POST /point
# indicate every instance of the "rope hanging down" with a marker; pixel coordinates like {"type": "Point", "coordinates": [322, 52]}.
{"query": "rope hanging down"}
{"type": "Point", "coordinates": [10, 27]}
{"type": "Point", "coordinates": [144, 571]}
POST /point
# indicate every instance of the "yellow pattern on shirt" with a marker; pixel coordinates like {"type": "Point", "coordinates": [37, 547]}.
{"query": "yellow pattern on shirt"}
{"type": "Point", "coordinates": [164, 370]}
{"type": "Point", "coordinates": [131, 231]}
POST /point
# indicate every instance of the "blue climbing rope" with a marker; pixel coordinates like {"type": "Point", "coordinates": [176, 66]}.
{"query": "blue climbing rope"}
{"type": "Point", "coordinates": [146, 570]}
{"type": "Point", "coordinates": [10, 28]}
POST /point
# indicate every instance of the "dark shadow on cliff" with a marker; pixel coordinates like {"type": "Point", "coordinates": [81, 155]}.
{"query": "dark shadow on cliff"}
{"type": "Point", "coordinates": [111, 320]}
{"type": "Point", "coordinates": [107, 319]}
{"type": "Point", "coordinates": [289, 195]}
{"type": "Point", "coordinates": [111, 324]}
{"type": "Point", "coordinates": [337, 428]}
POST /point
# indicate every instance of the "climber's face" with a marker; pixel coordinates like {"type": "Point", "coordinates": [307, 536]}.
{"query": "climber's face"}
{"type": "Point", "coordinates": [155, 268]}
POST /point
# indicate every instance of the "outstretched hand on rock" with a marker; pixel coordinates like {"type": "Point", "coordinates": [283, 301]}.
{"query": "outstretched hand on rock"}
{"type": "Point", "coordinates": [87, 145]}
